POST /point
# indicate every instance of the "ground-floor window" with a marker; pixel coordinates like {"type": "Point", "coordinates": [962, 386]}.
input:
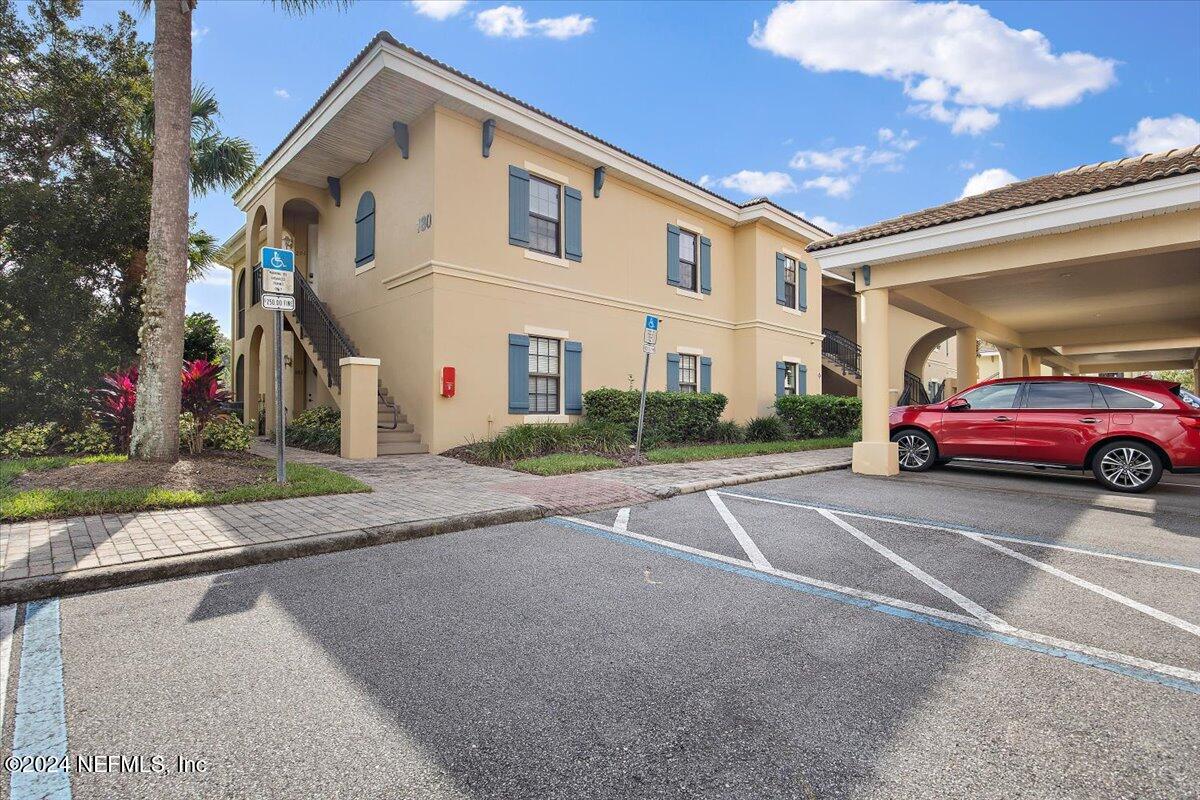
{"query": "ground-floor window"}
{"type": "Point", "coordinates": [543, 375]}
{"type": "Point", "coordinates": [791, 378]}
{"type": "Point", "coordinates": [687, 373]}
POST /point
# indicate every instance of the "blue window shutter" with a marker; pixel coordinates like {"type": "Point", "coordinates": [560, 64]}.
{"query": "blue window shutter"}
{"type": "Point", "coordinates": [573, 377]}
{"type": "Point", "coordinates": [780, 270]}
{"type": "Point", "coordinates": [672, 255]}
{"type": "Point", "coordinates": [518, 206]}
{"type": "Point", "coordinates": [573, 217]}
{"type": "Point", "coordinates": [364, 230]}
{"type": "Point", "coordinates": [802, 380]}
{"type": "Point", "coordinates": [672, 372]}
{"type": "Point", "coordinates": [802, 286]}
{"type": "Point", "coordinates": [705, 374]}
{"type": "Point", "coordinates": [705, 265]}
{"type": "Point", "coordinates": [518, 373]}
{"type": "Point", "coordinates": [780, 377]}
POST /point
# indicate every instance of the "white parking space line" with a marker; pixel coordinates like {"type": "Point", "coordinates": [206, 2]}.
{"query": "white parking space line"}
{"type": "Point", "coordinates": [1054, 644]}
{"type": "Point", "coordinates": [622, 523]}
{"type": "Point", "coordinates": [8, 619]}
{"type": "Point", "coordinates": [947, 529]}
{"type": "Point", "coordinates": [1162, 616]}
{"type": "Point", "coordinates": [739, 533]}
{"type": "Point", "coordinates": [965, 603]}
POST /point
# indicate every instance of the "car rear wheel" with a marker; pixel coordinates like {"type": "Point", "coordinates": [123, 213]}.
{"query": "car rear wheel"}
{"type": "Point", "coordinates": [1127, 466]}
{"type": "Point", "coordinates": [918, 451]}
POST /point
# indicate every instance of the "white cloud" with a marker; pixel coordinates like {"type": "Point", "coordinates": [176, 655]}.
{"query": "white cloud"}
{"type": "Point", "coordinates": [1155, 134]}
{"type": "Point", "coordinates": [754, 183]}
{"type": "Point", "coordinates": [825, 223]}
{"type": "Point", "coordinates": [198, 33]}
{"type": "Point", "coordinates": [282, 94]}
{"type": "Point", "coordinates": [834, 187]}
{"type": "Point", "coordinates": [510, 22]}
{"type": "Point", "coordinates": [901, 141]}
{"type": "Point", "coordinates": [438, 9]}
{"type": "Point", "coordinates": [941, 52]}
{"type": "Point", "coordinates": [987, 180]}
{"type": "Point", "coordinates": [835, 160]}
{"type": "Point", "coordinates": [860, 158]}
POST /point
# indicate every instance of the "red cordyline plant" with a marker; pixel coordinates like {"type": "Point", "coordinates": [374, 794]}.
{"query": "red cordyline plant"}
{"type": "Point", "coordinates": [202, 396]}
{"type": "Point", "coordinates": [112, 405]}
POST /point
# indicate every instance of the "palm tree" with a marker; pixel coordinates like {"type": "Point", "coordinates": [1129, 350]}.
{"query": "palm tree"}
{"type": "Point", "coordinates": [155, 435]}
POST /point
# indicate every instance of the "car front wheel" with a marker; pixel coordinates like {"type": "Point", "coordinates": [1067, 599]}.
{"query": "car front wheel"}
{"type": "Point", "coordinates": [918, 451]}
{"type": "Point", "coordinates": [1127, 466]}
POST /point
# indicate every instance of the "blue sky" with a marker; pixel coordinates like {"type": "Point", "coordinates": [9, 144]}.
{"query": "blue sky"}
{"type": "Point", "coordinates": [848, 114]}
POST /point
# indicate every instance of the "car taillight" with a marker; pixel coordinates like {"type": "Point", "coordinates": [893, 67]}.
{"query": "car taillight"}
{"type": "Point", "coordinates": [1190, 422]}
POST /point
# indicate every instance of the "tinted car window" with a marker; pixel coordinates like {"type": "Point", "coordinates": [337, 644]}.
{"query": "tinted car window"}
{"type": "Point", "coordinates": [997, 395]}
{"type": "Point", "coordinates": [1118, 398]}
{"type": "Point", "coordinates": [1067, 394]}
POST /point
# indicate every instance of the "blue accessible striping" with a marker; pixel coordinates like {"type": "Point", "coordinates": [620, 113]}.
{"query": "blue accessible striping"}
{"type": "Point", "coordinates": [40, 725]}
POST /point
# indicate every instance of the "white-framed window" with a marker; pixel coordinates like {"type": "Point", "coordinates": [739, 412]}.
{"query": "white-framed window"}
{"type": "Point", "coordinates": [688, 259]}
{"type": "Point", "coordinates": [789, 281]}
{"type": "Point", "coordinates": [544, 374]}
{"type": "Point", "coordinates": [791, 378]}
{"type": "Point", "coordinates": [545, 206]}
{"type": "Point", "coordinates": [688, 373]}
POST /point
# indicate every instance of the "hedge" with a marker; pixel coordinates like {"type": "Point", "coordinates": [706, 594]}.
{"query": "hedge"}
{"type": "Point", "coordinates": [670, 416]}
{"type": "Point", "coordinates": [815, 415]}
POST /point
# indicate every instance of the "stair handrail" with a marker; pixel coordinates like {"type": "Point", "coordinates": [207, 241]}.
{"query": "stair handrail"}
{"type": "Point", "coordinates": [327, 337]}
{"type": "Point", "coordinates": [843, 350]}
{"type": "Point", "coordinates": [914, 391]}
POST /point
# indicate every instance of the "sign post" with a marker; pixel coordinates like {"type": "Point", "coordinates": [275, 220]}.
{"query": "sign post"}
{"type": "Point", "coordinates": [649, 341]}
{"type": "Point", "coordinates": [278, 285]}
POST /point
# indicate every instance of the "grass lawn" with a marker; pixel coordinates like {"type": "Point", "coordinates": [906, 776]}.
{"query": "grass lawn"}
{"type": "Point", "coordinates": [564, 463]}
{"type": "Point", "coordinates": [303, 480]}
{"type": "Point", "coordinates": [708, 452]}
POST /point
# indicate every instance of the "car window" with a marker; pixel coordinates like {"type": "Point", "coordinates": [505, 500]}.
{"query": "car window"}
{"type": "Point", "coordinates": [996, 395]}
{"type": "Point", "coordinates": [1119, 398]}
{"type": "Point", "coordinates": [1067, 394]}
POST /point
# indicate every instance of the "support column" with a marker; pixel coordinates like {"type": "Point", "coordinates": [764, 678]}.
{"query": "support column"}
{"type": "Point", "coordinates": [1056, 371]}
{"type": "Point", "coordinates": [1035, 365]}
{"type": "Point", "coordinates": [1012, 362]}
{"type": "Point", "coordinates": [968, 364]}
{"type": "Point", "coordinates": [1196, 376]}
{"type": "Point", "coordinates": [360, 392]}
{"type": "Point", "coordinates": [876, 454]}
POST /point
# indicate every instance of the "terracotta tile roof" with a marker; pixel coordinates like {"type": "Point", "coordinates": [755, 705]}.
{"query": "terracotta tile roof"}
{"type": "Point", "coordinates": [384, 36]}
{"type": "Point", "coordinates": [1044, 189]}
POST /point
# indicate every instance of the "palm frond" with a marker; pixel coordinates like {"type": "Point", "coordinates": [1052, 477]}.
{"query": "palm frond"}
{"type": "Point", "coordinates": [299, 8]}
{"type": "Point", "coordinates": [202, 250]}
{"type": "Point", "coordinates": [220, 162]}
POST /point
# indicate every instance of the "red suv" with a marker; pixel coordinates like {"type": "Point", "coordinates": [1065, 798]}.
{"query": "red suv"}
{"type": "Point", "coordinates": [1125, 430]}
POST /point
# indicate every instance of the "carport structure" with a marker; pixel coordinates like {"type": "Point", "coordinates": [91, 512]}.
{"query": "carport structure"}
{"type": "Point", "coordinates": [1094, 269]}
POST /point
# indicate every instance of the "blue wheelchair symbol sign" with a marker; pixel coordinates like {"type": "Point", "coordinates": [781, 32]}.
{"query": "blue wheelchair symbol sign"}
{"type": "Point", "coordinates": [651, 323]}
{"type": "Point", "coordinates": [278, 259]}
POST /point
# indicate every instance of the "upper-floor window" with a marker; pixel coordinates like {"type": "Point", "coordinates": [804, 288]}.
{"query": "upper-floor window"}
{"type": "Point", "coordinates": [543, 215]}
{"type": "Point", "coordinates": [789, 281]}
{"type": "Point", "coordinates": [543, 375]}
{"type": "Point", "coordinates": [687, 373]}
{"type": "Point", "coordinates": [687, 260]}
{"type": "Point", "coordinates": [364, 231]}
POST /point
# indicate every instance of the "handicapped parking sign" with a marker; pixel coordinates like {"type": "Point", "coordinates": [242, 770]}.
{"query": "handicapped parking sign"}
{"type": "Point", "coordinates": [278, 269]}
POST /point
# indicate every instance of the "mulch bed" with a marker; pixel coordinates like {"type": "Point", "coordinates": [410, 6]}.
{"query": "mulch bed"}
{"type": "Point", "coordinates": [207, 472]}
{"type": "Point", "coordinates": [468, 454]}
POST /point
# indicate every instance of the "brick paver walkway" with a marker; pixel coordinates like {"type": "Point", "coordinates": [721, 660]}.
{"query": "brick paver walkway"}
{"type": "Point", "coordinates": [406, 489]}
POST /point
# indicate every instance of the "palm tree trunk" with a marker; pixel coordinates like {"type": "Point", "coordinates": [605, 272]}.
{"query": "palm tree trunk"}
{"type": "Point", "coordinates": [155, 434]}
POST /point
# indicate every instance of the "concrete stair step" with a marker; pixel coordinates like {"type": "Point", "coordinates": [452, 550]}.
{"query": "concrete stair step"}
{"type": "Point", "coordinates": [402, 448]}
{"type": "Point", "coordinates": [385, 424]}
{"type": "Point", "coordinates": [398, 436]}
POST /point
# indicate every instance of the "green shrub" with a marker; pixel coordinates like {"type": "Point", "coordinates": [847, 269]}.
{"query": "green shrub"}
{"type": "Point", "coordinates": [92, 440]}
{"type": "Point", "coordinates": [28, 439]}
{"type": "Point", "coordinates": [767, 429]}
{"type": "Point", "coordinates": [670, 416]}
{"type": "Point", "coordinates": [227, 433]}
{"type": "Point", "coordinates": [810, 416]}
{"type": "Point", "coordinates": [544, 438]}
{"type": "Point", "coordinates": [728, 432]}
{"type": "Point", "coordinates": [318, 428]}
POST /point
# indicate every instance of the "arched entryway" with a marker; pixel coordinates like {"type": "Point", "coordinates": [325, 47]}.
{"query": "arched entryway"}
{"type": "Point", "coordinates": [254, 397]}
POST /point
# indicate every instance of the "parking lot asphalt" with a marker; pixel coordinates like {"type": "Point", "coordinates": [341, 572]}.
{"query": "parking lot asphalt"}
{"type": "Point", "coordinates": [825, 636]}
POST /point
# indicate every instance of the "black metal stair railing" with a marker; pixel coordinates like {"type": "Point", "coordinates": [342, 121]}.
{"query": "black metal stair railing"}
{"type": "Point", "coordinates": [914, 391]}
{"type": "Point", "coordinates": [320, 328]}
{"type": "Point", "coordinates": [843, 351]}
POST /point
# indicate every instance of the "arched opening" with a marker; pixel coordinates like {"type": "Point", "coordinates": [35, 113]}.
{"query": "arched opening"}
{"type": "Point", "coordinates": [258, 240]}
{"type": "Point", "coordinates": [239, 380]}
{"type": "Point", "coordinates": [253, 398]}
{"type": "Point", "coordinates": [301, 235]}
{"type": "Point", "coordinates": [928, 365]}
{"type": "Point", "coordinates": [241, 304]}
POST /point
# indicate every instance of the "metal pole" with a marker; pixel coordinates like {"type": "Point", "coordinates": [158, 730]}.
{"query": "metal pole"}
{"type": "Point", "coordinates": [280, 473]}
{"type": "Point", "coordinates": [637, 449]}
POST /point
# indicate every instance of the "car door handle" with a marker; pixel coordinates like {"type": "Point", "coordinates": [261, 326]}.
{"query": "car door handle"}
{"type": "Point", "coordinates": [1002, 418]}
{"type": "Point", "coordinates": [1089, 420]}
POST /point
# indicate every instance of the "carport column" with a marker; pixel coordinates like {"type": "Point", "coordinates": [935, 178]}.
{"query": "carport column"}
{"type": "Point", "coordinates": [1196, 375]}
{"type": "Point", "coordinates": [968, 364]}
{"type": "Point", "coordinates": [1012, 362]}
{"type": "Point", "coordinates": [359, 402]}
{"type": "Point", "coordinates": [876, 454]}
{"type": "Point", "coordinates": [1056, 370]}
{"type": "Point", "coordinates": [1035, 364]}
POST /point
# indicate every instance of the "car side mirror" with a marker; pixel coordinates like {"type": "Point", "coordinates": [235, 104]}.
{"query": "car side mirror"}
{"type": "Point", "coordinates": [958, 404]}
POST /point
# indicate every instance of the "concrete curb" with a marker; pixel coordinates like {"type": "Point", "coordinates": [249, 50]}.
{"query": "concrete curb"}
{"type": "Point", "coordinates": [753, 477]}
{"type": "Point", "coordinates": [42, 586]}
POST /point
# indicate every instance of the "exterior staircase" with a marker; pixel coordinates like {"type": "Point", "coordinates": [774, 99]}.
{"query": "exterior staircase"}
{"type": "Point", "coordinates": [326, 345]}
{"type": "Point", "coordinates": [842, 355]}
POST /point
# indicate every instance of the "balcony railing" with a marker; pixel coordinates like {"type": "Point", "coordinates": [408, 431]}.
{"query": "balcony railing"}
{"type": "Point", "coordinates": [843, 351]}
